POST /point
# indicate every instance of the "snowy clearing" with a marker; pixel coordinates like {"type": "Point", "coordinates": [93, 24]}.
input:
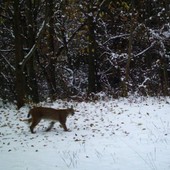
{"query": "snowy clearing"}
{"type": "Point", "coordinates": [121, 134]}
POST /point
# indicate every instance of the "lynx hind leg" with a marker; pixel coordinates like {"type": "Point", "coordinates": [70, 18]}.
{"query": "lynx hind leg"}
{"type": "Point", "coordinates": [34, 123]}
{"type": "Point", "coordinates": [50, 127]}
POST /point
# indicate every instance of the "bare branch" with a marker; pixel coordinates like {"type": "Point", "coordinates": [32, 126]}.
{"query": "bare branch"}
{"type": "Point", "coordinates": [71, 37]}
{"type": "Point", "coordinates": [11, 66]}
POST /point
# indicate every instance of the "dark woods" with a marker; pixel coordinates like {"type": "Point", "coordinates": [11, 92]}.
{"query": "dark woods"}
{"type": "Point", "coordinates": [72, 49]}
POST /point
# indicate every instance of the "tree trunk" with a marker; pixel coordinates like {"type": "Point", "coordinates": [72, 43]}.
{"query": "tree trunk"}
{"type": "Point", "coordinates": [127, 69]}
{"type": "Point", "coordinates": [20, 78]}
{"type": "Point", "coordinates": [31, 75]}
{"type": "Point", "coordinates": [164, 76]}
{"type": "Point", "coordinates": [92, 84]}
{"type": "Point", "coordinates": [51, 50]}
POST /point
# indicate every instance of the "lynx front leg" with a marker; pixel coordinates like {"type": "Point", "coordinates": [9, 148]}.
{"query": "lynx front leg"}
{"type": "Point", "coordinates": [51, 125]}
{"type": "Point", "coordinates": [65, 127]}
{"type": "Point", "coordinates": [34, 123]}
{"type": "Point", "coordinates": [63, 124]}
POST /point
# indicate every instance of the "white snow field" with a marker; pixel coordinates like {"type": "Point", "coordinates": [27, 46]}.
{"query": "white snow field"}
{"type": "Point", "coordinates": [111, 134]}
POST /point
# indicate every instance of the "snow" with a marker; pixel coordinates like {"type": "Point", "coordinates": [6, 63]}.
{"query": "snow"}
{"type": "Point", "coordinates": [121, 134]}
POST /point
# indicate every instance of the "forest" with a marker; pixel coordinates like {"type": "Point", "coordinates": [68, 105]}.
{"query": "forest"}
{"type": "Point", "coordinates": [72, 49]}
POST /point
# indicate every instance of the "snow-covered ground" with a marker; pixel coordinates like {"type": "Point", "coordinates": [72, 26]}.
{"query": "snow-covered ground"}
{"type": "Point", "coordinates": [121, 134]}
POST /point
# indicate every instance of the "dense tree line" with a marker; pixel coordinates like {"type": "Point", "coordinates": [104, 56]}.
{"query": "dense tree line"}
{"type": "Point", "coordinates": [72, 48]}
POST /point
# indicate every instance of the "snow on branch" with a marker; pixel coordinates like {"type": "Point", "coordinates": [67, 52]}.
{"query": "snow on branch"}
{"type": "Point", "coordinates": [145, 50]}
{"type": "Point", "coordinates": [117, 36]}
{"type": "Point", "coordinates": [144, 82]}
{"type": "Point", "coordinates": [32, 50]}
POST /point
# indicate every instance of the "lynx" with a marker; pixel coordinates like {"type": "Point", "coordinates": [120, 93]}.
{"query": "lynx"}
{"type": "Point", "coordinates": [39, 113]}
